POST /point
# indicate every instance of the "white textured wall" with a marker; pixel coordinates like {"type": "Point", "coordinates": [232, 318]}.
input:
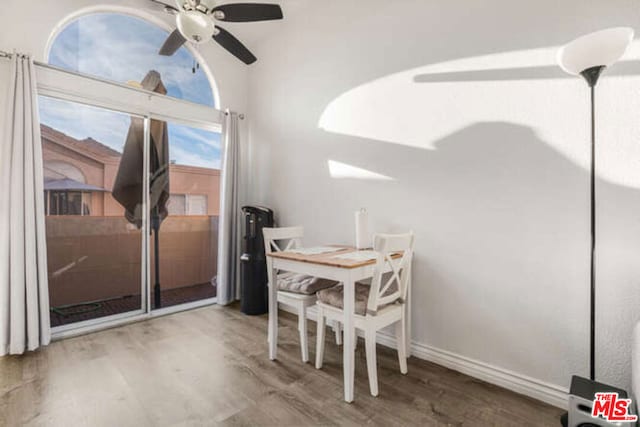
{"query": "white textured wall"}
{"type": "Point", "coordinates": [477, 142]}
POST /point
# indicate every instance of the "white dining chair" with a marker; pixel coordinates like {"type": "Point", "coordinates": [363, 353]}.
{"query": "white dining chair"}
{"type": "Point", "coordinates": [295, 290]}
{"type": "Point", "coordinates": [379, 304]}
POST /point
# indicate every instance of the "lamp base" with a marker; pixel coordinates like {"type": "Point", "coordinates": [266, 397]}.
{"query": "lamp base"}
{"type": "Point", "coordinates": [581, 396]}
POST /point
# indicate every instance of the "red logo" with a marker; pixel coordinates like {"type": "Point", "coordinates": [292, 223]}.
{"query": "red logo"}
{"type": "Point", "coordinates": [611, 408]}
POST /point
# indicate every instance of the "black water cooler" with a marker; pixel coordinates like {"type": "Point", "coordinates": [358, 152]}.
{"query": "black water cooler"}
{"type": "Point", "coordinates": [253, 264]}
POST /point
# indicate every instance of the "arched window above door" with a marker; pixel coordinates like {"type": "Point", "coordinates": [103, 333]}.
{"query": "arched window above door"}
{"type": "Point", "coordinates": [124, 48]}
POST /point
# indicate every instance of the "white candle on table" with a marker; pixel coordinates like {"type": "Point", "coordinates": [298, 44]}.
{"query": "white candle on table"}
{"type": "Point", "coordinates": [363, 239]}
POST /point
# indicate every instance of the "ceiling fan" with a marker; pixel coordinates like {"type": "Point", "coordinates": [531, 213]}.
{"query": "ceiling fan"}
{"type": "Point", "coordinates": [196, 22]}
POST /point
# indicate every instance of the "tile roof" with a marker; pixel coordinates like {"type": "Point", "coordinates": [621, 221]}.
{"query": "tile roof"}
{"type": "Point", "coordinates": [89, 145]}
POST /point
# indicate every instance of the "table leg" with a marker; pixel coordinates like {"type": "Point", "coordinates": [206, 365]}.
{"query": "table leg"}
{"type": "Point", "coordinates": [348, 339]}
{"type": "Point", "coordinates": [407, 318]}
{"type": "Point", "coordinates": [273, 314]}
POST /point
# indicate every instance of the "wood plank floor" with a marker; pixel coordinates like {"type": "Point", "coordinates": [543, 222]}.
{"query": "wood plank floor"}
{"type": "Point", "coordinates": [210, 367]}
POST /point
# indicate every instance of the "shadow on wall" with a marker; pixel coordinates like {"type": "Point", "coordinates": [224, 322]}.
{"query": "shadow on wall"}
{"type": "Point", "coordinates": [512, 214]}
{"type": "Point", "coordinates": [628, 68]}
{"type": "Point", "coordinates": [337, 51]}
{"type": "Point", "coordinates": [420, 106]}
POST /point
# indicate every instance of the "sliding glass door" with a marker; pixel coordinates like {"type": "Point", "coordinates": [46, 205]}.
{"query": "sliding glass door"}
{"type": "Point", "coordinates": [185, 218]}
{"type": "Point", "coordinates": [95, 252]}
{"type": "Point", "coordinates": [131, 207]}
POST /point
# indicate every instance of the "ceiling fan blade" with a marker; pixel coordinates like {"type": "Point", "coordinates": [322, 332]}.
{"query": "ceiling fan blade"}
{"type": "Point", "coordinates": [247, 12]}
{"type": "Point", "coordinates": [233, 45]}
{"type": "Point", "coordinates": [172, 44]}
{"type": "Point", "coordinates": [167, 7]}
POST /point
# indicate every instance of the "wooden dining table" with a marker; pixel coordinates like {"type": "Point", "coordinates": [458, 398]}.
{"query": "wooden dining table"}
{"type": "Point", "coordinates": [329, 266]}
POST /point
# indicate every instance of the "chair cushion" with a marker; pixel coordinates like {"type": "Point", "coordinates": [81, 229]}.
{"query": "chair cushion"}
{"type": "Point", "coordinates": [335, 296]}
{"type": "Point", "coordinates": [302, 283]}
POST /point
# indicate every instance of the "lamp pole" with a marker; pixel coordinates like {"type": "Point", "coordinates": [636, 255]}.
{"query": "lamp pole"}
{"type": "Point", "coordinates": [592, 358]}
{"type": "Point", "coordinates": [591, 75]}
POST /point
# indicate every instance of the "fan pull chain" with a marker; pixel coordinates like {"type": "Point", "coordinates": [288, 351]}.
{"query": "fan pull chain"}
{"type": "Point", "coordinates": [196, 64]}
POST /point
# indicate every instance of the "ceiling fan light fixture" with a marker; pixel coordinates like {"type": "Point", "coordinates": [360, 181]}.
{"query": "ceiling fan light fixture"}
{"type": "Point", "coordinates": [195, 26]}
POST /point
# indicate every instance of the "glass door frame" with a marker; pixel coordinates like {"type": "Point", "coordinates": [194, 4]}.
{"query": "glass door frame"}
{"type": "Point", "coordinates": [95, 92]}
{"type": "Point", "coordinates": [188, 305]}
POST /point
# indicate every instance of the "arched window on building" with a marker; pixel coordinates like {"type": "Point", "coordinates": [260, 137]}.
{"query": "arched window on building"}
{"type": "Point", "coordinates": [65, 189]}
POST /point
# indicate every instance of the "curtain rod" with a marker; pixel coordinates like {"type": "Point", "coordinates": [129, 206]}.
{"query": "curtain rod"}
{"type": "Point", "coordinates": [4, 54]}
{"type": "Point", "coordinates": [240, 115]}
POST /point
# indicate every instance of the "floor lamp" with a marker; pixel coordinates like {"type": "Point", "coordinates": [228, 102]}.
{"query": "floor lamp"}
{"type": "Point", "coordinates": [588, 56]}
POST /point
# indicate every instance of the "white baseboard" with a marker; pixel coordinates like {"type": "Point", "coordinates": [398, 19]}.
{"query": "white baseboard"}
{"type": "Point", "coordinates": [522, 384]}
{"type": "Point", "coordinates": [540, 390]}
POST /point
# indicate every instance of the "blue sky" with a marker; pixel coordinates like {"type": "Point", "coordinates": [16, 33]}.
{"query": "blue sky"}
{"type": "Point", "coordinates": [124, 48]}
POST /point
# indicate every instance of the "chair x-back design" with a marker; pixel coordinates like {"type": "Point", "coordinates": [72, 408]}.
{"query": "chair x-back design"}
{"type": "Point", "coordinates": [382, 303]}
{"type": "Point", "coordinates": [300, 293]}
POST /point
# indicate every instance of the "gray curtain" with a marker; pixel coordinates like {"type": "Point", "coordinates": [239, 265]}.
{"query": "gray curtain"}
{"type": "Point", "coordinates": [24, 295]}
{"type": "Point", "coordinates": [229, 225]}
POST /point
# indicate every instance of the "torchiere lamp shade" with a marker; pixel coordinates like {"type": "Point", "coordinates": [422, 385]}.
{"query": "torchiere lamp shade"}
{"type": "Point", "coordinates": [601, 48]}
